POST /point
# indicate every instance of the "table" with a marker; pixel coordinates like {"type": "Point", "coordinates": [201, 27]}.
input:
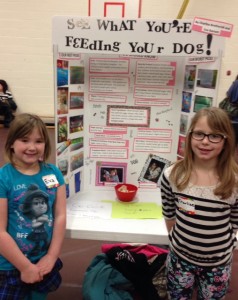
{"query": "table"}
{"type": "Point", "coordinates": [151, 231]}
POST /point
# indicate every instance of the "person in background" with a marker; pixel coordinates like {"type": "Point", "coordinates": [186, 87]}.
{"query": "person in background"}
{"type": "Point", "coordinates": [32, 213]}
{"type": "Point", "coordinates": [200, 207]}
{"type": "Point", "coordinates": [7, 104]}
{"type": "Point", "coordinates": [232, 94]}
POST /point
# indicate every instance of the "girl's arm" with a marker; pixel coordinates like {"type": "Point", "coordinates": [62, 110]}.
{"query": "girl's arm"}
{"type": "Point", "coordinates": [168, 203]}
{"type": "Point", "coordinates": [10, 250]}
{"type": "Point", "coordinates": [169, 224]}
{"type": "Point", "coordinates": [234, 217]}
{"type": "Point", "coordinates": [47, 262]}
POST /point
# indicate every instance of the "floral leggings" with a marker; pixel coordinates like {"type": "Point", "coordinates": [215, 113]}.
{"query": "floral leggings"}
{"type": "Point", "coordinates": [211, 283]}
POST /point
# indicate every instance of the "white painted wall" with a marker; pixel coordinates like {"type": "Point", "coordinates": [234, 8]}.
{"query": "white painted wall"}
{"type": "Point", "coordinates": [26, 57]}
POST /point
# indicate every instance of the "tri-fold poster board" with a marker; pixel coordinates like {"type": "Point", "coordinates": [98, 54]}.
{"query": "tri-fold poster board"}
{"type": "Point", "coordinates": [125, 92]}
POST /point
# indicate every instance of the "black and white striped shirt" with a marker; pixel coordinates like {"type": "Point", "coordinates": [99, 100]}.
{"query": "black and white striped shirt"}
{"type": "Point", "coordinates": [205, 230]}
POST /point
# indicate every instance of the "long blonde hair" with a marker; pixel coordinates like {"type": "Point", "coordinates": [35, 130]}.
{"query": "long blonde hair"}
{"type": "Point", "coordinates": [227, 167]}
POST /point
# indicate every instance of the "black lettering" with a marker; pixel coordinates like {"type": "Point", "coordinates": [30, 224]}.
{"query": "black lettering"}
{"type": "Point", "coordinates": [112, 26]}
{"type": "Point", "coordinates": [69, 40]}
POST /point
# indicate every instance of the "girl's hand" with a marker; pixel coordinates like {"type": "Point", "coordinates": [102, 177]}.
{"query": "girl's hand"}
{"type": "Point", "coordinates": [46, 264]}
{"type": "Point", "coordinates": [31, 274]}
{"type": "Point", "coordinates": [43, 218]}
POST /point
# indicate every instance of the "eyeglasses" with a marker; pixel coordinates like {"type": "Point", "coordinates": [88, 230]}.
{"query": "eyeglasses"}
{"type": "Point", "coordinates": [212, 137]}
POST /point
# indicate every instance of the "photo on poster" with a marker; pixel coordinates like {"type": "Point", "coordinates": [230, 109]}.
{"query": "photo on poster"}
{"type": "Point", "coordinates": [110, 172]}
{"type": "Point", "coordinates": [153, 169]}
{"type": "Point", "coordinates": [77, 182]}
{"type": "Point", "coordinates": [62, 72]}
{"type": "Point", "coordinates": [186, 101]}
{"type": "Point", "coordinates": [62, 100]}
{"type": "Point", "coordinates": [201, 102]}
{"type": "Point", "coordinates": [76, 161]}
{"type": "Point", "coordinates": [76, 144]}
{"type": "Point", "coordinates": [62, 133]}
{"type": "Point", "coordinates": [63, 165]}
{"type": "Point", "coordinates": [207, 78]}
{"type": "Point", "coordinates": [76, 123]}
{"type": "Point", "coordinates": [76, 75]}
{"type": "Point", "coordinates": [183, 126]}
{"type": "Point", "coordinates": [181, 145]}
{"type": "Point", "coordinates": [76, 100]}
{"type": "Point", "coordinates": [63, 147]}
{"type": "Point", "coordinates": [67, 188]}
{"type": "Point", "coordinates": [189, 77]}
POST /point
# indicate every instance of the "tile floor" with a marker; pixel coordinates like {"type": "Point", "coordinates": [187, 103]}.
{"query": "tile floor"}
{"type": "Point", "coordinates": [77, 254]}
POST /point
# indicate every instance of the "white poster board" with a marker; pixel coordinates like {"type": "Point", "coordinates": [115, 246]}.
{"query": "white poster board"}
{"type": "Point", "coordinates": [126, 90]}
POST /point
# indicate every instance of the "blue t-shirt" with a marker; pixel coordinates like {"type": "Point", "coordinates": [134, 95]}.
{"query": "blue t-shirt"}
{"type": "Point", "coordinates": [31, 200]}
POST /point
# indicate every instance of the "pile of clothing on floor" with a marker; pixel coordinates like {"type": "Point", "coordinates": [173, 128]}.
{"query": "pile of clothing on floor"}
{"type": "Point", "coordinates": [125, 271]}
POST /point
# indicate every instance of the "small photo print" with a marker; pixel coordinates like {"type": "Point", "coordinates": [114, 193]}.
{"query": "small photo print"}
{"type": "Point", "coordinates": [201, 102]}
{"type": "Point", "coordinates": [63, 147]}
{"type": "Point", "coordinates": [109, 172]}
{"type": "Point", "coordinates": [63, 165]}
{"type": "Point", "coordinates": [62, 129]}
{"type": "Point", "coordinates": [189, 78]}
{"type": "Point", "coordinates": [76, 123]}
{"type": "Point", "coordinates": [207, 78]}
{"type": "Point", "coordinates": [76, 144]}
{"type": "Point", "coordinates": [181, 145]}
{"type": "Point", "coordinates": [77, 182]}
{"type": "Point", "coordinates": [153, 169]}
{"type": "Point", "coordinates": [183, 126]}
{"type": "Point", "coordinates": [62, 100]}
{"type": "Point", "coordinates": [186, 101]}
{"type": "Point", "coordinates": [62, 72]}
{"type": "Point", "coordinates": [76, 161]}
{"type": "Point", "coordinates": [76, 75]}
{"type": "Point", "coordinates": [76, 100]}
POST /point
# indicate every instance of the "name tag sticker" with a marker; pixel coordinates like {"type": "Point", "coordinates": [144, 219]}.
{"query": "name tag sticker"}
{"type": "Point", "coordinates": [187, 205]}
{"type": "Point", "coordinates": [50, 181]}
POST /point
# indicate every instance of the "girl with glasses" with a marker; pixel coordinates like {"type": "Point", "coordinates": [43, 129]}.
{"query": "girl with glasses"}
{"type": "Point", "coordinates": [200, 207]}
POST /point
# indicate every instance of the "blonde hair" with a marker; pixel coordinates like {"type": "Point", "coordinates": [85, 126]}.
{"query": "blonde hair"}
{"type": "Point", "coordinates": [227, 168]}
{"type": "Point", "coordinates": [23, 125]}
